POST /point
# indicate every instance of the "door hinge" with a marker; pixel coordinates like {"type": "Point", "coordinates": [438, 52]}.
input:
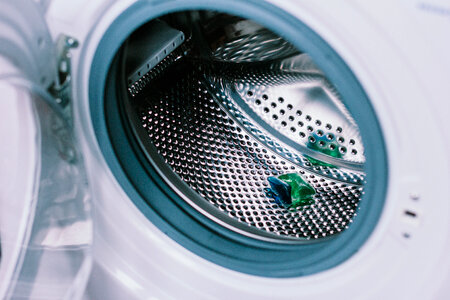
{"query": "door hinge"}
{"type": "Point", "coordinates": [62, 87]}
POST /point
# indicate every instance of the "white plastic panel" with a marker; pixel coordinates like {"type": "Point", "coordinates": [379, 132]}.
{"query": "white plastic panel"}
{"type": "Point", "coordinates": [141, 262]}
{"type": "Point", "coordinates": [26, 41]}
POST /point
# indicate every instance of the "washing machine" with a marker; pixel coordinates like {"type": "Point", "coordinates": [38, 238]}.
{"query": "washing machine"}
{"type": "Point", "coordinates": [193, 149]}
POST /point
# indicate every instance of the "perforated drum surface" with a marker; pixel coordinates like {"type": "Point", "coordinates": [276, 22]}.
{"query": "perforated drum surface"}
{"type": "Point", "coordinates": [259, 45]}
{"type": "Point", "coordinates": [282, 104]}
{"type": "Point", "coordinates": [297, 105]}
{"type": "Point", "coordinates": [205, 142]}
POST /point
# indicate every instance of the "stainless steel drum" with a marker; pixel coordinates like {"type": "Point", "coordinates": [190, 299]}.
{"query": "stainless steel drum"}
{"type": "Point", "coordinates": [231, 104]}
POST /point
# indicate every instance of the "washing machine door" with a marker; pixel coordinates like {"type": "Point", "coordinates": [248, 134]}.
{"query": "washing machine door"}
{"type": "Point", "coordinates": [45, 222]}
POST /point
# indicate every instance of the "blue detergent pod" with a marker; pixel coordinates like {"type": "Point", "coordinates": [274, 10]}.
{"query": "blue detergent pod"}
{"type": "Point", "coordinates": [280, 191]}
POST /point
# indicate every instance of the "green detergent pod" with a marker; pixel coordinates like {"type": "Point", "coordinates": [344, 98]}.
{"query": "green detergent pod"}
{"type": "Point", "coordinates": [290, 190]}
{"type": "Point", "coordinates": [301, 192]}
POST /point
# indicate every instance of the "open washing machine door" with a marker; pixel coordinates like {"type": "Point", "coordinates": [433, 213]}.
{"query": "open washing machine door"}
{"type": "Point", "coordinates": [45, 223]}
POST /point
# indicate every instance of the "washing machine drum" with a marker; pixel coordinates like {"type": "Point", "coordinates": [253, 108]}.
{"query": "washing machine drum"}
{"type": "Point", "coordinates": [244, 132]}
{"type": "Point", "coordinates": [255, 109]}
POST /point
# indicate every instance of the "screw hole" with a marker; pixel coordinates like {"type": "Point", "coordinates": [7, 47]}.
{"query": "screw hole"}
{"type": "Point", "coordinates": [414, 196]}
{"type": "Point", "coordinates": [410, 213]}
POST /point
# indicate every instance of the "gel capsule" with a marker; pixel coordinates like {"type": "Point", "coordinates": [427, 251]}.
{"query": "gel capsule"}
{"type": "Point", "coordinates": [280, 191]}
{"type": "Point", "coordinates": [301, 192]}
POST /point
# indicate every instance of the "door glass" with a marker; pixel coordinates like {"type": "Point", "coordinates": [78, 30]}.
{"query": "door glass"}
{"type": "Point", "coordinates": [45, 220]}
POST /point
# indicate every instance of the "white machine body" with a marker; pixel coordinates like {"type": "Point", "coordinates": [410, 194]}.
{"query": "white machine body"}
{"type": "Point", "coordinates": [398, 50]}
